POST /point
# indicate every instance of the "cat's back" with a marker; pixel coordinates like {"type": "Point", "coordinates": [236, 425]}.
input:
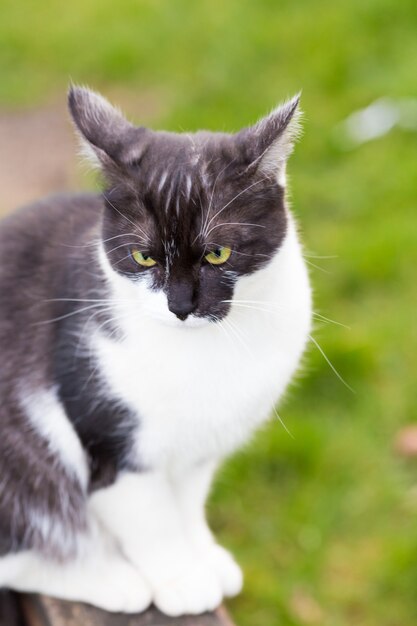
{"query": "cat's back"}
{"type": "Point", "coordinates": [66, 214]}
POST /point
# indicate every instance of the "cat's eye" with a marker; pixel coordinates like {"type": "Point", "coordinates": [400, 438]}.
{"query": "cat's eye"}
{"type": "Point", "coordinates": [143, 259]}
{"type": "Point", "coordinates": [218, 256]}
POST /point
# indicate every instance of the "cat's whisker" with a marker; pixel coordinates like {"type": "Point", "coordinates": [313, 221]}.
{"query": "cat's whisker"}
{"type": "Point", "coordinates": [320, 349]}
{"type": "Point", "coordinates": [128, 256]}
{"type": "Point", "coordinates": [226, 328]}
{"type": "Point", "coordinates": [202, 217]}
{"type": "Point", "coordinates": [233, 224]}
{"type": "Point", "coordinates": [276, 305]}
{"type": "Point", "coordinates": [92, 244]}
{"type": "Point", "coordinates": [251, 306]}
{"type": "Point", "coordinates": [274, 409]}
{"type": "Point", "coordinates": [121, 314]}
{"type": "Point", "coordinates": [238, 334]}
{"type": "Point", "coordinates": [98, 242]}
{"type": "Point", "coordinates": [326, 358]}
{"type": "Point", "coordinates": [218, 245]}
{"type": "Point", "coordinates": [281, 421]}
{"type": "Point", "coordinates": [218, 325]}
{"type": "Point", "coordinates": [123, 245]}
{"type": "Point", "coordinates": [318, 256]}
{"type": "Point", "coordinates": [106, 197]}
{"type": "Point", "coordinates": [105, 300]}
{"type": "Point", "coordinates": [128, 234]}
{"type": "Point", "coordinates": [206, 223]}
{"type": "Point", "coordinates": [136, 226]}
{"type": "Point", "coordinates": [90, 320]}
{"type": "Point", "coordinates": [317, 267]}
{"type": "Point", "coordinates": [66, 315]}
{"type": "Point", "coordinates": [257, 182]}
{"type": "Point", "coordinates": [322, 318]}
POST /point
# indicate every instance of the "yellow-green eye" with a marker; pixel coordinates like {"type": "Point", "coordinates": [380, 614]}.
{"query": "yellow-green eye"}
{"type": "Point", "coordinates": [143, 259]}
{"type": "Point", "coordinates": [218, 256]}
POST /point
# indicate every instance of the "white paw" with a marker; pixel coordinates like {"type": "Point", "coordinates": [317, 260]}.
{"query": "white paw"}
{"type": "Point", "coordinates": [118, 588]}
{"type": "Point", "coordinates": [192, 590]}
{"type": "Point", "coordinates": [226, 569]}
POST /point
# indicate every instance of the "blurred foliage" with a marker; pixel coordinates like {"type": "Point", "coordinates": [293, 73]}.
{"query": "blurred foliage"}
{"type": "Point", "coordinates": [324, 522]}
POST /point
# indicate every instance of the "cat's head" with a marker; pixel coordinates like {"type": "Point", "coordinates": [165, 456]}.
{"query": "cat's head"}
{"type": "Point", "coordinates": [187, 215]}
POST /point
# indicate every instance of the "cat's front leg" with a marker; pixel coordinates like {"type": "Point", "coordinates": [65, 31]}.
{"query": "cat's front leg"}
{"type": "Point", "coordinates": [141, 512]}
{"type": "Point", "coordinates": [191, 487]}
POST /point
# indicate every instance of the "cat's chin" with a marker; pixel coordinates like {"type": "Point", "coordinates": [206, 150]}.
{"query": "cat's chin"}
{"type": "Point", "coordinates": [191, 322]}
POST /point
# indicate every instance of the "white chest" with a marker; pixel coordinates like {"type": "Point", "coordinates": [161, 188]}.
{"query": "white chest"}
{"type": "Point", "coordinates": [199, 393]}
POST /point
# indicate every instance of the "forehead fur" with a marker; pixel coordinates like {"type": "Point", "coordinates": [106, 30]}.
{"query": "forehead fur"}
{"type": "Point", "coordinates": [182, 165]}
{"type": "Point", "coordinates": [194, 187]}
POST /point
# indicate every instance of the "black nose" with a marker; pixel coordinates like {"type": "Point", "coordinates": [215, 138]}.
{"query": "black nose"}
{"type": "Point", "coordinates": [182, 316]}
{"type": "Point", "coordinates": [181, 309]}
{"type": "Point", "coordinates": [181, 299]}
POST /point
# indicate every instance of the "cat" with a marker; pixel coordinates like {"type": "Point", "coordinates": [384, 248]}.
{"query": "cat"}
{"type": "Point", "coordinates": [144, 334]}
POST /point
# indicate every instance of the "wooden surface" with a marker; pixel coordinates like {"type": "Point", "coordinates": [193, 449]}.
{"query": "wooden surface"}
{"type": "Point", "coordinates": [45, 611]}
{"type": "Point", "coordinates": [10, 613]}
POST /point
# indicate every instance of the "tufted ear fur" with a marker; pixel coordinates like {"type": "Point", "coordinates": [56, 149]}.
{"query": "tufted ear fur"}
{"type": "Point", "coordinates": [269, 143]}
{"type": "Point", "coordinates": [108, 138]}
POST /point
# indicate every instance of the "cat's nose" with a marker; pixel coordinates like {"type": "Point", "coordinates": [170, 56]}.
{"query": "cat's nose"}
{"type": "Point", "coordinates": [181, 309]}
{"type": "Point", "coordinates": [181, 299]}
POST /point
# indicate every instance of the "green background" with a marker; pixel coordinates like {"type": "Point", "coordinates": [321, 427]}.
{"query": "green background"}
{"type": "Point", "coordinates": [324, 523]}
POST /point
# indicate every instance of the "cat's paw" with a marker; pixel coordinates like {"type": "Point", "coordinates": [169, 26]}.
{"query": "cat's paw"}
{"type": "Point", "coordinates": [102, 578]}
{"type": "Point", "coordinates": [124, 590]}
{"type": "Point", "coordinates": [117, 588]}
{"type": "Point", "coordinates": [193, 590]}
{"type": "Point", "coordinates": [226, 569]}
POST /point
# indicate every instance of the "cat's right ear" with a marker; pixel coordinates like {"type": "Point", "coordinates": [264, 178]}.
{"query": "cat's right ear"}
{"type": "Point", "coordinates": [108, 138]}
{"type": "Point", "coordinates": [268, 144]}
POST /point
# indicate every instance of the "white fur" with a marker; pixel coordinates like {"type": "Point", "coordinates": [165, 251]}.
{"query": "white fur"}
{"type": "Point", "coordinates": [166, 537]}
{"type": "Point", "coordinates": [47, 416]}
{"type": "Point", "coordinates": [101, 576]}
{"type": "Point", "coordinates": [162, 181]}
{"type": "Point", "coordinates": [51, 530]}
{"type": "Point", "coordinates": [188, 185]}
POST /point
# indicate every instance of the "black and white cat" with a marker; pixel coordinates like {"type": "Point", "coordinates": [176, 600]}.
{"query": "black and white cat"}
{"type": "Point", "coordinates": [144, 335]}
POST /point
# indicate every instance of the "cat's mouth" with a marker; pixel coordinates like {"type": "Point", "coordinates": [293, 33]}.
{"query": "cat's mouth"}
{"type": "Point", "coordinates": [191, 321]}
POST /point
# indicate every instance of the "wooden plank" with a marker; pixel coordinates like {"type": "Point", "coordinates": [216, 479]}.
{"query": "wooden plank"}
{"type": "Point", "coordinates": [10, 614]}
{"type": "Point", "coordinates": [46, 611]}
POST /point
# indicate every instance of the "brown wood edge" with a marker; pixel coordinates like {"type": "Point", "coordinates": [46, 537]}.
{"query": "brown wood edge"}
{"type": "Point", "coordinates": [40, 610]}
{"type": "Point", "coordinates": [10, 612]}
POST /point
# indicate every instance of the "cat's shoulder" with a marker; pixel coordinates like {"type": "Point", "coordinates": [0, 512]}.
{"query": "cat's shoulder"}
{"type": "Point", "coordinates": [56, 208]}
{"type": "Point", "coordinates": [60, 217]}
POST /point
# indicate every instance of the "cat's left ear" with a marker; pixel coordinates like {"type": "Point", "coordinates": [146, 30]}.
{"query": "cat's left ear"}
{"type": "Point", "coordinates": [110, 140]}
{"type": "Point", "coordinates": [268, 144]}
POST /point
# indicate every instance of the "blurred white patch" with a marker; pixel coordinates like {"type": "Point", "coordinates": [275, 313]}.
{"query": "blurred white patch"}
{"type": "Point", "coordinates": [377, 120]}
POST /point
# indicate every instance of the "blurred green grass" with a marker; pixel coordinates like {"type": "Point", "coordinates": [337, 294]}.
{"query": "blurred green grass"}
{"type": "Point", "coordinates": [324, 522]}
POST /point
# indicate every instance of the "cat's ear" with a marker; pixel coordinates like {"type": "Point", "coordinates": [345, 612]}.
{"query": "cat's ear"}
{"type": "Point", "coordinates": [108, 138]}
{"type": "Point", "coordinates": [268, 144]}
